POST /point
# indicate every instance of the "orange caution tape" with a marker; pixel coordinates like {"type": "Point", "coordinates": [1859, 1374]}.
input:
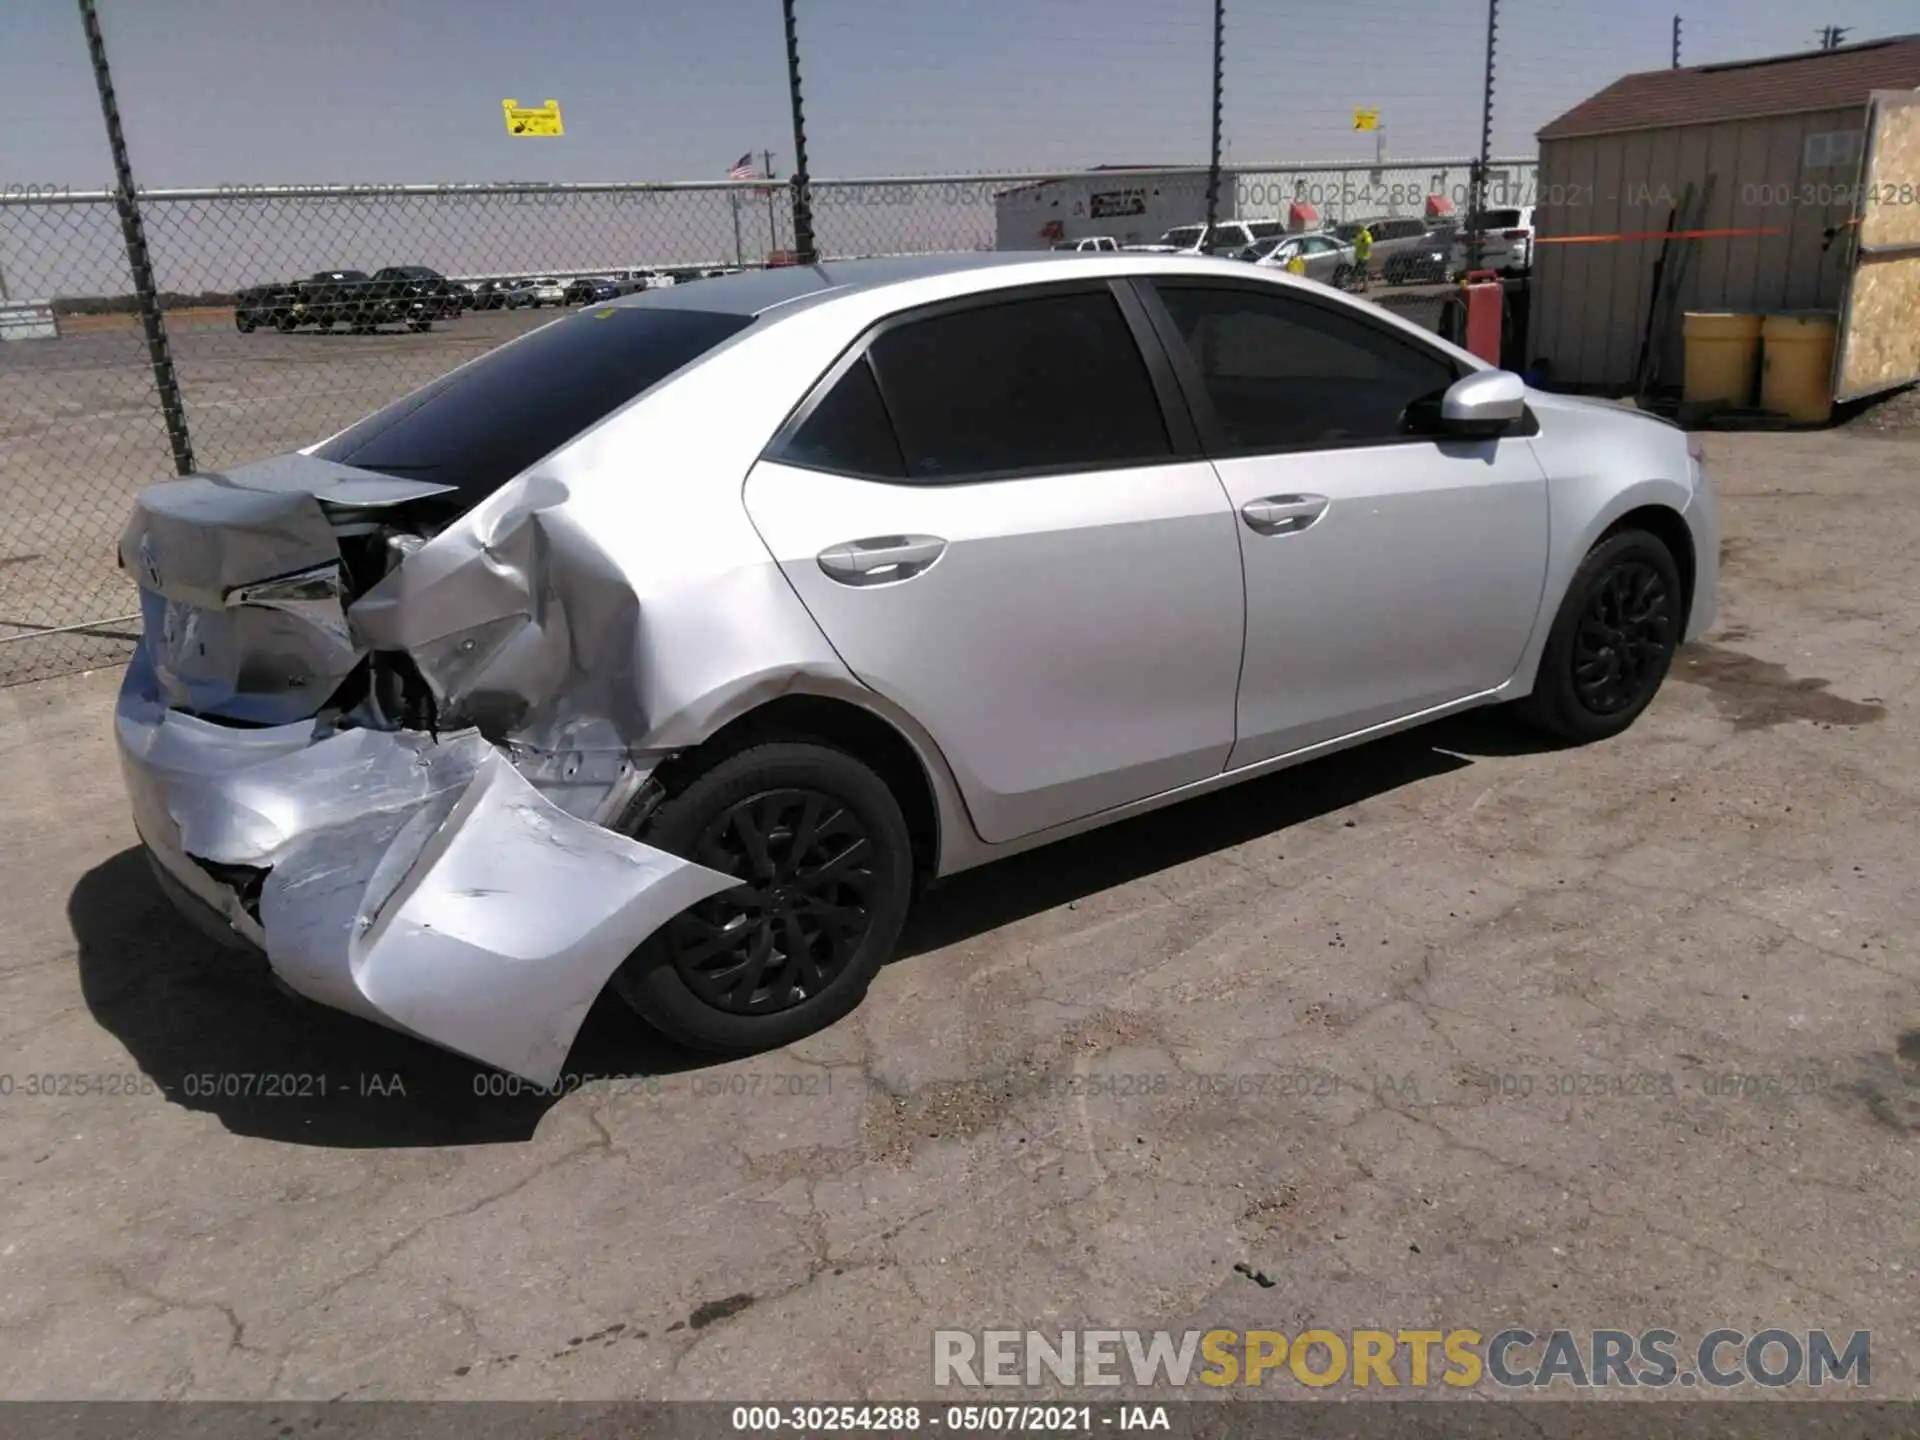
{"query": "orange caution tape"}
{"type": "Point", "coordinates": [1659, 235]}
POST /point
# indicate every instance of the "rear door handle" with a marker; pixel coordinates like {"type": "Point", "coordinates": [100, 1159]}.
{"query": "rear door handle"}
{"type": "Point", "coordinates": [881, 559]}
{"type": "Point", "coordinates": [1283, 514]}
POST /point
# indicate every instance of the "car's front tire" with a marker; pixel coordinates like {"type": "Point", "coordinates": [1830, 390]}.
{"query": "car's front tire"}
{"type": "Point", "coordinates": [1612, 641]}
{"type": "Point", "coordinates": [822, 848]}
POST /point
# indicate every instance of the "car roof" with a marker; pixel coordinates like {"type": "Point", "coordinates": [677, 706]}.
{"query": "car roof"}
{"type": "Point", "coordinates": [755, 292]}
{"type": "Point", "coordinates": [794, 289]}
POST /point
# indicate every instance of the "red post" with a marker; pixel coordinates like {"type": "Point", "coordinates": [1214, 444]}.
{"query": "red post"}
{"type": "Point", "coordinates": [1486, 298]}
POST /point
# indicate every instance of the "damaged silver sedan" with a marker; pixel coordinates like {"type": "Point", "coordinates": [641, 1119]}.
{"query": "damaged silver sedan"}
{"type": "Point", "coordinates": [670, 645]}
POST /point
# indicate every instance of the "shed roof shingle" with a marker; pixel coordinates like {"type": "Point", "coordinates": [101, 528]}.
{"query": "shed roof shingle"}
{"type": "Point", "coordinates": [1783, 84]}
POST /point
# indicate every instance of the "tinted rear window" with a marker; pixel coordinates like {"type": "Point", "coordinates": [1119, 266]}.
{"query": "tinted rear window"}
{"type": "Point", "coordinates": [480, 426]}
{"type": "Point", "coordinates": [1052, 382]}
{"type": "Point", "coordinates": [849, 431]}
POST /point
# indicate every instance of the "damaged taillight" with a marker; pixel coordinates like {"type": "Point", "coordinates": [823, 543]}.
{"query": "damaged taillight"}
{"type": "Point", "coordinates": [320, 583]}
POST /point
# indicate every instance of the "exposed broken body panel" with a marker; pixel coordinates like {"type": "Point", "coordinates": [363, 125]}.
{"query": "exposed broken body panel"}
{"type": "Point", "coordinates": [420, 882]}
{"type": "Point", "coordinates": [460, 885]}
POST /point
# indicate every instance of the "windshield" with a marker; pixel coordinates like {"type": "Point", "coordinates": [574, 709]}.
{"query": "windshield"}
{"type": "Point", "coordinates": [1182, 236]}
{"type": "Point", "coordinates": [484, 423]}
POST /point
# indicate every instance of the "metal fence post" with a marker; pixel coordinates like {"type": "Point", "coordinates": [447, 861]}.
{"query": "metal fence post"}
{"type": "Point", "coordinates": [1213, 165]}
{"type": "Point", "coordinates": [802, 201]}
{"type": "Point", "coordinates": [1477, 203]}
{"type": "Point", "coordinates": [138, 260]}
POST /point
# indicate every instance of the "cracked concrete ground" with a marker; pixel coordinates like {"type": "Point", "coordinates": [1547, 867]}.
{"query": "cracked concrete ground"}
{"type": "Point", "coordinates": [1312, 1030]}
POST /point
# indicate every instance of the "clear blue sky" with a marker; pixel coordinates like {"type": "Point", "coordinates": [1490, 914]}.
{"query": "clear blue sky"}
{"type": "Point", "coordinates": [247, 91]}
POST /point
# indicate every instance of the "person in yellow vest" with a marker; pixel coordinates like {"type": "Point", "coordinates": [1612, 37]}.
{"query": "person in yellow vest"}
{"type": "Point", "coordinates": [1297, 265]}
{"type": "Point", "coordinates": [1362, 255]}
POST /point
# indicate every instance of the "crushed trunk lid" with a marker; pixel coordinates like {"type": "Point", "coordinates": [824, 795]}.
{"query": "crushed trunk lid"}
{"type": "Point", "coordinates": [244, 584]}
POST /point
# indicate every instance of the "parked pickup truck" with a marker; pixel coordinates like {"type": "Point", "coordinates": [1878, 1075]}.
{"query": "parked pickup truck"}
{"type": "Point", "coordinates": [410, 295]}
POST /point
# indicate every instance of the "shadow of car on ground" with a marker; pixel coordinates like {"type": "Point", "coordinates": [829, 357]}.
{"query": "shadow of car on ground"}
{"type": "Point", "coordinates": [213, 1029]}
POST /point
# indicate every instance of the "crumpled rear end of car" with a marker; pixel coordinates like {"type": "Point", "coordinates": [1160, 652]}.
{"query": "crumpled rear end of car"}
{"type": "Point", "coordinates": [385, 742]}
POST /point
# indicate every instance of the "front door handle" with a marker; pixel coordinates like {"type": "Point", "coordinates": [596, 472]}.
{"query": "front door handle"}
{"type": "Point", "coordinates": [1283, 514]}
{"type": "Point", "coordinates": [881, 559]}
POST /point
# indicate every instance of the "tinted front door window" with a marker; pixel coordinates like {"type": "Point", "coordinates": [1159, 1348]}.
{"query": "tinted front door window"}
{"type": "Point", "coordinates": [1286, 374]}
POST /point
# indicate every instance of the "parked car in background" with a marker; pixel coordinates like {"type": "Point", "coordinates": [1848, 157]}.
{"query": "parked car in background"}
{"type": "Point", "coordinates": [1326, 259]}
{"type": "Point", "coordinates": [490, 294]}
{"type": "Point", "coordinates": [1506, 242]}
{"type": "Point", "coordinates": [410, 295]}
{"type": "Point", "coordinates": [1407, 249]}
{"type": "Point", "coordinates": [532, 294]}
{"type": "Point", "coordinates": [1227, 237]}
{"type": "Point", "coordinates": [279, 304]}
{"type": "Point", "coordinates": [1095, 244]}
{"type": "Point", "coordinates": [328, 298]}
{"type": "Point", "coordinates": [674, 738]}
{"type": "Point", "coordinates": [593, 289]}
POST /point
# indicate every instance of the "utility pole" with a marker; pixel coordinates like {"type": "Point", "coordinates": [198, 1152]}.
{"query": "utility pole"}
{"type": "Point", "coordinates": [1213, 165]}
{"type": "Point", "coordinates": [739, 259]}
{"type": "Point", "coordinates": [1676, 42]}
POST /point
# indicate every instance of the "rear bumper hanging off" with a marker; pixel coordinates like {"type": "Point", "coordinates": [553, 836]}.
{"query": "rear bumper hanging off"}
{"type": "Point", "coordinates": [420, 882]}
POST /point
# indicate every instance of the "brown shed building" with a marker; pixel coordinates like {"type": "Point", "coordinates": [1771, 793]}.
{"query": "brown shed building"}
{"type": "Point", "coordinates": [1811, 162]}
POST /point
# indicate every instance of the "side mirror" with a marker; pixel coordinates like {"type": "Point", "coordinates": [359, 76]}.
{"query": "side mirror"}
{"type": "Point", "coordinates": [1487, 402]}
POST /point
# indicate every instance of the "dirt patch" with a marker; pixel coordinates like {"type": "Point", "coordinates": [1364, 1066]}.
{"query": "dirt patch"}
{"type": "Point", "coordinates": [1757, 694]}
{"type": "Point", "coordinates": [91, 324]}
{"type": "Point", "coordinates": [895, 1124]}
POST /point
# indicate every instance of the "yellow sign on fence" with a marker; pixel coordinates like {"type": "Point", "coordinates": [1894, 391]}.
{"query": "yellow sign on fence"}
{"type": "Point", "coordinates": [531, 119]}
{"type": "Point", "coordinates": [1366, 119]}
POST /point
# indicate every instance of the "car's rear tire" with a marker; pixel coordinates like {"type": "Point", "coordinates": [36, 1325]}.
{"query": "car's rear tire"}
{"type": "Point", "coordinates": [825, 850]}
{"type": "Point", "coordinates": [1612, 641]}
{"type": "Point", "coordinates": [244, 324]}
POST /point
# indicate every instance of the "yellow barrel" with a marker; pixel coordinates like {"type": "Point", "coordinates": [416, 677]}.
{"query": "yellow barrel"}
{"type": "Point", "coordinates": [1723, 352]}
{"type": "Point", "coordinates": [1796, 369]}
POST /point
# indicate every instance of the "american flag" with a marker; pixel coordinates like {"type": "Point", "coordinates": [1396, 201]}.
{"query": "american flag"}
{"type": "Point", "coordinates": [743, 168]}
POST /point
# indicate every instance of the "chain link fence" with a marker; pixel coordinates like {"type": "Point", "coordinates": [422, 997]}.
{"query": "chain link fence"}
{"type": "Point", "coordinates": [264, 364]}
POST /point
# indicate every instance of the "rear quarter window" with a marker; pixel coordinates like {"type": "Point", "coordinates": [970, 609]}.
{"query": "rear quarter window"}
{"type": "Point", "coordinates": [481, 425]}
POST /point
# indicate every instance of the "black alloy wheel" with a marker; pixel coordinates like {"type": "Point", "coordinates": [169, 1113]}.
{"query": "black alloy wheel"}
{"type": "Point", "coordinates": [800, 918]}
{"type": "Point", "coordinates": [1625, 638]}
{"type": "Point", "coordinates": [1612, 642]}
{"type": "Point", "coordinates": [825, 863]}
